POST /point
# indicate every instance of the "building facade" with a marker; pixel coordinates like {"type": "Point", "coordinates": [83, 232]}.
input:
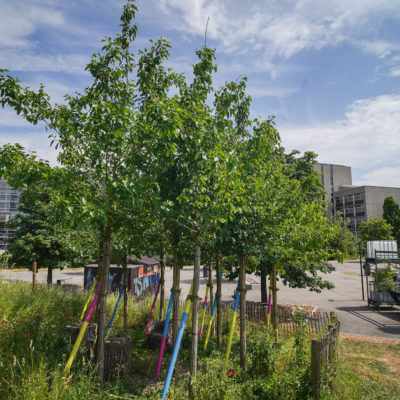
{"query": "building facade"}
{"type": "Point", "coordinates": [333, 178]}
{"type": "Point", "coordinates": [9, 201]}
{"type": "Point", "coordinates": [361, 203]}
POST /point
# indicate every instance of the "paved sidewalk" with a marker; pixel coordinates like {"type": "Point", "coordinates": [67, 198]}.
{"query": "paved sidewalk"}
{"type": "Point", "coordinates": [355, 316]}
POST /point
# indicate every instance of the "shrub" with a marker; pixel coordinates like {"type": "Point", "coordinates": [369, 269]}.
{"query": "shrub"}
{"type": "Point", "coordinates": [262, 355]}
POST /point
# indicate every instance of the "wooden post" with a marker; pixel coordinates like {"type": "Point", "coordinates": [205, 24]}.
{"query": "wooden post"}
{"type": "Point", "coordinates": [34, 276]}
{"type": "Point", "coordinates": [275, 316]}
{"type": "Point", "coordinates": [263, 286]}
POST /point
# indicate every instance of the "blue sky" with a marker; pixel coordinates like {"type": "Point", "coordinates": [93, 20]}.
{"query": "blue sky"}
{"type": "Point", "coordinates": [329, 70]}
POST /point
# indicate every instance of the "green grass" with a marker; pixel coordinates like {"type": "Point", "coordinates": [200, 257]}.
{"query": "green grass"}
{"type": "Point", "coordinates": [34, 347]}
{"type": "Point", "coordinates": [367, 371]}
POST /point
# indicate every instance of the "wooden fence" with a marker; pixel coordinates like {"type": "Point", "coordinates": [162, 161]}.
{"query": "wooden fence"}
{"type": "Point", "coordinates": [257, 312]}
{"type": "Point", "coordinates": [317, 321]}
{"type": "Point", "coordinates": [324, 358]}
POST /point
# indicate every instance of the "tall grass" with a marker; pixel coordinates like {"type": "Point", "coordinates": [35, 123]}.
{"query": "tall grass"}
{"type": "Point", "coordinates": [34, 346]}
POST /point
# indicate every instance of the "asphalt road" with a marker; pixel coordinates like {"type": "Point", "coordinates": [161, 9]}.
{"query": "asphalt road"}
{"type": "Point", "coordinates": [345, 299]}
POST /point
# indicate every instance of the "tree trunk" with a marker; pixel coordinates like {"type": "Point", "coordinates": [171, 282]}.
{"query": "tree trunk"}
{"type": "Point", "coordinates": [242, 271]}
{"type": "Point", "coordinates": [219, 316]}
{"type": "Point", "coordinates": [195, 313]}
{"type": "Point", "coordinates": [34, 269]}
{"type": "Point", "coordinates": [264, 294]}
{"type": "Point", "coordinates": [103, 302]}
{"type": "Point", "coordinates": [125, 266]}
{"type": "Point", "coordinates": [162, 281]}
{"type": "Point", "coordinates": [176, 292]}
{"type": "Point", "coordinates": [49, 276]}
{"type": "Point", "coordinates": [211, 302]}
{"type": "Point", "coordinates": [275, 316]}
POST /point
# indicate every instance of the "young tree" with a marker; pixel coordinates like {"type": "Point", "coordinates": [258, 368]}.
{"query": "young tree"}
{"type": "Point", "coordinates": [42, 236]}
{"type": "Point", "coordinates": [37, 236]}
{"type": "Point", "coordinates": [376, 229]}
{"type": "Point", "coordinates": [391, 214]}
{"type": "Point", "coordinates": [344, 241]}
{"type": "Point", "coordinates": [104, 145]}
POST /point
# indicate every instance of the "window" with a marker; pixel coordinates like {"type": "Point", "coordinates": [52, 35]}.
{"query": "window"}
{"type": "Point", "coordinates": [358, 196]}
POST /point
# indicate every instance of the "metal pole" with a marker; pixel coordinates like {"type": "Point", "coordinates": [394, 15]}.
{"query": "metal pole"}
{"type": "Point", "coordinates": [361, 270]}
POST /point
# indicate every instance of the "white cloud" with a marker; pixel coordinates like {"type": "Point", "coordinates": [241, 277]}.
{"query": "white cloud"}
{"type": "Point", "coordinates": [380, 48]}
{"type": "Point", "coordinates": [9, 118]}
{"type": "Point", "coordinates": [367, 138]}
{"type": "Point", "coordinates": [30, 62]}
{"type": "Point", "coordinates": [32, 141]}
{"type": "Point", "coordinates": [20, 19]}
{"type": "Point", "coordinates": [387, 176]}
{"type": "Point", "coordinates": [270, 91]}
{"type": "Point", "coordinates": [283, 28]}
{"type": "Point", "coordinates": [395, 72]}
{"type": "Point", "coordinates": [55, 89]}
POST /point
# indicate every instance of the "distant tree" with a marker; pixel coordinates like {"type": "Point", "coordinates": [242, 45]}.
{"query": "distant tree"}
{"type": "Point", "coordinates": [376, 229]}
{"type": "Point", "coordinates": [391, 214]}
{"type": "Point", "coordinates": [344, 240]}
{"type": "Point", "coordinates": [41, 236]}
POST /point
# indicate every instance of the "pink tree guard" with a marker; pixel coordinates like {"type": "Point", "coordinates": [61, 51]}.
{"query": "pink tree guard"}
{"type": "Point", "coordinates": [152, 309]}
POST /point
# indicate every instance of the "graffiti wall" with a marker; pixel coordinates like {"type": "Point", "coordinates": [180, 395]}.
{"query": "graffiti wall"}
{"type": "Point", "coordinates": [142, 279]}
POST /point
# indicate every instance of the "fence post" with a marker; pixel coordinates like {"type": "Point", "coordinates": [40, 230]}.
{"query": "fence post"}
{"type": "Point", "coordinates": [34, 275]}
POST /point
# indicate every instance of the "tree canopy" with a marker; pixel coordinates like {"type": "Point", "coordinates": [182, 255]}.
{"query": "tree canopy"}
{"type": "Point", "coordinates": [391, 214]}
{"type": "Point", "coordinates": [140, 143]}
{"type": "Point", "coordinates": [376, 229]}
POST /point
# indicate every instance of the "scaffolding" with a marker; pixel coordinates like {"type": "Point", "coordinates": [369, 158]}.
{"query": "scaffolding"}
{"type": "Point", "coordinates": [382, 254]}
{"type": "Point", "coordinates": [9, 201]}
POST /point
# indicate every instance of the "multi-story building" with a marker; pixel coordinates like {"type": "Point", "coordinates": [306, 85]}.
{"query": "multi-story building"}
{"type": "Point", "coordinates": [333, 178]}
{"type": "Point", "coordinates": [354, 203]}
{"type": "Point", "coordinates": [9, 201]}
{"type": "Point", "coordinates": [361, 203]}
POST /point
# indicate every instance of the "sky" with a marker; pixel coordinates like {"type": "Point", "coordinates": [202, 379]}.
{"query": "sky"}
{"type": "Point", "coordinates": [327, 70]}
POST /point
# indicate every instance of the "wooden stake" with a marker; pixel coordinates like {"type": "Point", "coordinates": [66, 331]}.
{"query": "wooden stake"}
{"type": "Point", "coordinates": [34, 275]}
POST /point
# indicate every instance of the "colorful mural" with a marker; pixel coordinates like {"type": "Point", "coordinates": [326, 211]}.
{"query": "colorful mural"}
{"type": "Point", "coordinates": [142, 280]}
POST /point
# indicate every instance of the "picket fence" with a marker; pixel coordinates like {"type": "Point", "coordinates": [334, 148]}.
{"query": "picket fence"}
{"type": "Point", "coordinates": [324, 358]}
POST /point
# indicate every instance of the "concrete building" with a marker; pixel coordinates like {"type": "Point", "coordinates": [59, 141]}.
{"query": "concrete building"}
{"type": "Point", "coordinates": [361, 203]}
{"type": "Point", "coordinates": [333, 178]}
{"type": "Point", "coordinates": [9, 201]}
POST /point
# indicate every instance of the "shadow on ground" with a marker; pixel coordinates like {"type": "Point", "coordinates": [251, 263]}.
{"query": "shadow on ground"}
{"type": "Point", "coordinates": [387, 319]}
{"type": "Point", "coordinates": [80, 273]}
